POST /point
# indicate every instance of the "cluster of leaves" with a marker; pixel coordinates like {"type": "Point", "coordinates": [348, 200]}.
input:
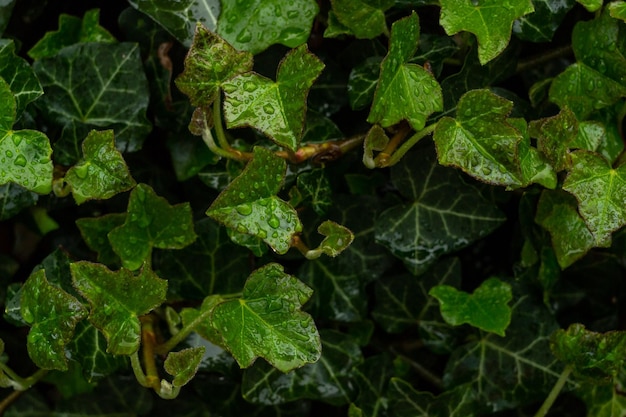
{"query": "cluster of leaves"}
{"type": "Point", "coordinates": [357, 207]}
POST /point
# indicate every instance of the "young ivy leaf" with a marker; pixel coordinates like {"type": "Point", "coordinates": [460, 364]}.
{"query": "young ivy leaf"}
{"type": "Point", "coordinates": [53, 315]}
{"type": "Point", "coordinates": [487, 308]}
{"type": "Point", "coordinates": [600, 191]}
{"type": "Point", "coordinates": [534, 166]}
{"type": "Point", "coordinates": [151, 222]}
{"type": "Point", "coordinates": [25, 153]}
{"type": "Point", "coordinates": [210, 61]}
{"type": "Point", "coordinates": [197, 318]}
{"type": "Point", "coordinates": [617, 9]}
{"type": "Point", "coordinates": [591, 5]}
{"type": "Point", "coordinates": [250, 205]}
{"type": "Point", "coordinates": [102, 172]}
{"type": "Point", "coordinates": [275, 108]}
{"type": "Point", "coordinates": [365, 19]}
{"type": "Point", "coordinates": [117, 299]}
{"type": "Point", "coordinates": [267, 322]}
{"type": "Point", "coordinates": [405, 91]}
{"type": "Point", "coordinates": [183, 365]}
{"type": "Point", "coordinates": [376, 140]}
{"type": "Point", "coordinates": [337, 238]}
{"type": "Point", "coordinates": [555, 136]}
{"type": "Point", "coordinates": [490, 20]}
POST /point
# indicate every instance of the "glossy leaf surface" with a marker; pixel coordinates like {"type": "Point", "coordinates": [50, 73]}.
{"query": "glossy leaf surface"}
{"type": "Point", "coordinates": [336, 239]}
{"type": "Point", "coordinates": [541, 25]}
{"type": "Point", "coordinates": [13, 199]}
{"type": "Point", "coordinates": [363, 18]}
{"type": "Point", "coordinates": [555, 135]}
{"type": "Point", "coordinates": [275, 108]}
{"type": "Point", "coordinates": [405, 91]}
{"type": "Point", "coordinates": [151, 222]}
{"type": "Point", "coordinates": [19, 75]}
{"type": "Point", "coordinates": [95, 233]}
{"type": "Point", "coordinates": [267, 322]}
{"type": "Point", "coordinates": [117, 299]}
{"type": "Point", "coordinates": [407, 402]}
{"type": "Point", "coordinates": [53, 315]}
{"type": "Point", "coordinates": [102, 172]}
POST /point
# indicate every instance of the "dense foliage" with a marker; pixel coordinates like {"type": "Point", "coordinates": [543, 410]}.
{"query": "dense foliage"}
{"type": "Point", "coordinates": [293, 207]}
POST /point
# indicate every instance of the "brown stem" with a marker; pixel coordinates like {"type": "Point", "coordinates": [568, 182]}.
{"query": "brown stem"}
{"type": "Point", "coordinates": [8, 400]}
{"type": "Point", "coordinates": [382, 159]}
{"type": "Point", "coordinates": [148, 342]}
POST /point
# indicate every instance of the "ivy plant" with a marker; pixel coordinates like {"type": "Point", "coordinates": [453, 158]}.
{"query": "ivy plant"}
{"type": "Point", "coordinates": [294, 208]}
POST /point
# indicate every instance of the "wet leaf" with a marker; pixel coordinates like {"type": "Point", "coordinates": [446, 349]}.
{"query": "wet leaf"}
{"type": "Point", "coordinates": [102, 171]}
{"type": "Point", "coordinates": [617, 9]}
{"type": "Point", "coordinates": [24, 154]}
{"type": "Point", "coordinates": [555, 136]}
{"type": "Point", "coordinates": [95, 232]}
{"type": "Point", "coordinates": [541, 25]}
{"type": "Point", "coordinates": [603, 400]}
{"type": "Point", "coordinates": [117, 299]}
{"type": "Point", "coordinates": [249, 204]}
{"type": "Point", "coordinates": [336, 239]}
{"type": "Point", "coordinates": [179, 18]}
{"type": "Point", "coordinates": [267, 322]}
{"type": "Point", "coordinates": [314, 190]}
{"type": "Point", "coordinates": [14, 199]}
{"type": "Point", "coordinates": [197, 318]}
{"type": "Point", "coordinates": [591, 5]}
{"type": "Point", "coordinates": [52, 314]}
{"type": "Point", "coordinates": [19, 75]}
{"type": "Point", "coordinates": [183, 365]}
{"type": "Point", "coordinates": [72, 30]}
{"type": "Point", "coordinates": [365, 19]}
{"type": "Point", "coordinates": [490, 20]}
{"type": "Point", "coordinates": [405, 401]}
{"type": "Point", "coordinates": [275, 108]}
{"type": "Point", "coordinates": [151, 222]}
{"type": "Point", "coordinates": [209, 63]}
{"type": "Point", "coordinates": [405, 91]}
{"type": "Point", "coordinates": [376, 140]}
{"type": "Point", "coordinates": [253, 25]}
{"type": "Point", "coordinates": [431, 224]}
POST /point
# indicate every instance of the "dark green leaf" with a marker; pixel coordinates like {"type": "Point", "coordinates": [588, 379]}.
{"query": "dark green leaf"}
{"type": "Point", "coordinates": [14, 199]}
{"type": "Point", "coordinates": [364, 19]}
{"type": "Point", "coordinates": [362, 83]}
{"type": "Point", "coordinates": [180, 17]}
{"type": "Point", "coordinates": [183, 365]}
{"type": "Point", "coordinates": [5, 14]}
{"type": "Point", "coordinates": [405, 91]}
{"type": "Point", "coordinates": [267, 321]}
{"type": "Point", "coordinates": [555, 136]}
{"type": "Point", "coordinates": [52, 314]}
{"type": "Point", "coordinates": [372, 378]}
{"type": "Point", "coordinates": [209, 63]}
{"type": "Point", "coordinates": [19, 75]}
{"type": "Point", "coordinates": [432, 224]}
{"type": "Point", "coordinates": [534, 165]}
{"type": "Point", "coordinates": [596, 357]}
{"type": "Point", "coordinates": [249, 204]}
{"type": "Point", "coordinates": [102, 172]}
{"type": "Point", "coordinates": [95, 233]}
{"type": "Point", "coordinates": [72, 30]}
{"type": "Point", "coordinates": [327, 380]}
{"type": "Point", "coordinates": [117, 299]}
{"type": "Point", "coordinates": [603, 400]}
{"type": "Point", "coordinates": [541, 25]}
{"type": "Point", "coordinates": [315, 191]}
{"type": "Point", "coordinates": [489, 20]}
{"type": "Point", "coordinates": [151, 222]}
{"type": "Point", "coordinates": [405, 401]}
{"type": "Point", "coordinates": [275, 108]}
{"type": "Point", "coordinates": [253, 25]}
{"type": "Point", "coordinates": [94, 86]}
{"type": "Point", "coordinates": [197, 318]}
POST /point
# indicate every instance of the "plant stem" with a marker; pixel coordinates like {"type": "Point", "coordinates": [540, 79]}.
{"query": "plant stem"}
{"type": "Point", "coordinates": [8, 400]}
{"type": "Point", "coordinates": [554, 393]}
{"type": "Point", "coordinates": [182, 334]}
{"type": "Point", "coordinates": [138, 370]}
{"type": "Point", "coordinates": [382, 159]}
{"type": "Point", "coordinates": [227, 151]}
{"type": "Point", "coordinates": [404, 148]}
{"type": "Point", "coordinates": [20, 386]}
{"type": "Point", "coordinates": [538, 60]}
{"type": "Point", "coordinates": [148, 342]}
{"type": "Point", "coordinates": [217, 122]}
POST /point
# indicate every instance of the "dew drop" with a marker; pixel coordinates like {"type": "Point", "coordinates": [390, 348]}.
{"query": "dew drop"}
{"type": "Point", "coordinates": [305, 324]}
{"type": "Point", "coordinates": [421, 105]}
{"type": "Point", "coordinates": [244, 209]}
{"type": "Point", "coordinates": [268, 108]}
{"type": "Point", "coordinates": [244, 36]}
{"type": "Point", "coordinates": [234, 102]}
{"type": "Point", "coordinates": [241, 228]}
{"type": "Point", "coordinates": [20, 161]}
{"type": "Point", "coordinates": [275, 235]}
{"type": "Point", "coordinates": [249, 86]}
{"type": "Point", "coordinates": [591, 85]}
{"type": "Point", "coordinates": [242, 195]}
{"type": "Point", "coordinates": [262, 234]}
{"type": "Point", "coordinates": [486, 170]}
{"type": "Point", "coordinates": [81, 171]}
{"type": "Point", "coordinates": [16, 140]}
{"type": "Point", "coordinates": [274, 305]}
{"type": "Point", "coordinates": [292, 14]}
{"type": "Point", "coordinates": [9, 153]}
{"type": "Point", "coordinates": [274, 222]}
{"type": "Point", "coordinates": [229, 88]}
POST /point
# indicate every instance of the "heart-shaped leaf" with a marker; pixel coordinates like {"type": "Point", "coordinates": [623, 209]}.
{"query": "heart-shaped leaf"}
{"type": "Point", "coordinates": [19, 75]}
{"type": "Point", "coordinates": [184, 364]}
{"type": "Point", "coordinates": [337, 239]}
{"type": "Point", "coordinates": [365, 19]}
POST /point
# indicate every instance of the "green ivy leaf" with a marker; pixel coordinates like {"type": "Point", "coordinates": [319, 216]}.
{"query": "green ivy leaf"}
{"type": "Point", "coordinates": [486, 308]}
{"type": "Point", "coordinates": [600, 191]}
{"type": "Point", "coordinates": [267, 322]}
{"type": "Point", "coordinates": [183, 365]}
{"type": "Point", "coordinates": [196, 318]}
{"type": "Point", "coordinates": [555, 136]}
{"type": "Point", "coordinates": [253, 25]}
{"type": "Point", "coordinates": [20, 76]}
{"type": "Point", "coordinates": [405, 91]}
{"type": "Point", "coordinates": [534, 165]}
{"type": "Point", "coordinates": [541, 25]}
{"type": "Point", "coordinates": [617, 9]}
{"type": "Point", "coordinates": [249, 204]}
{"type": "Point", "coordinates": [53, 315]}
{"type": "Point", "coordinates": [489, 20]}
{"type": "Point", "coordinates": [102, 172]}
{"type": "Point", "coordinates": [94, 86]}
{"type": "Point", "coordinates": [117, 299]}
{"type": "Point", "coordinates": [151, 222]}
{"type": "Point", "coordinates": [336, 239]}
{"type": "Point", "coordinates": [25, 154]}
{"type": "Point", "coordinates": [362, 83]}
{"type": "Point", "coordinates": [376, 140]}
{"type": "Point", "coordinates": [14, 199]}
{"type": "Point", "coordinates": [5, 14]}
{"type": "Point", "coordinates": [209, 63]}
{"type": "Point", "coordinates": [72, 30]}
{"type": "Point", "coordinates": [314, 190]}
{"type": "Point", "coordinates": [596, 357]}
{"type": "Point", "coordinates": [179, 18]}
{"type": "Point", "coordinates": [372, 378]}
{"type": "Point", "coordinates": [365, 19]}
{"type": "Point", "coordinates": [405, 401]}
{"type": "Point", "coordinates": [591, 5]}
{"type": "Point", "coordinates": [95, 233]}
{"type": "Point", "coordinates": [275, 108]}
{"type": "Point", "coordinates": [431, 223]}
{"type": "Point", "coordinates": [602, 400]}
{"type": "Point", "coordinates": [326, 380]}
{"type": "Point", "coordinates": [557, 212]}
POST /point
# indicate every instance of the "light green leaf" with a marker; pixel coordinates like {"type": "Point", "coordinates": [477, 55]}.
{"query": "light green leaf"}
{"type": "Point", "coordinates": [95, 233]}
{"type": "Point", "coordinates": [183, 365]}
{"type": "Point", "coordinates": [555, 136]}
{"type": "Point", "coordinates": [249, 204]}
{"type": "Point", "coordinates": [490, 20]}
{"type": "Point", "coordinates": [72, 30]}
{"type": "Point", "coordinates": [20, 76]}
{"type": "Point", "coordinates": [180, 17]}
{"type": "Point", "coordinates": [601, 194]}
{"type": "Point", "coordinates": [53, 315]}
{"type": "Point", "coordinates": [486, 308]}
{"type": "Point", "coordinates": [405, 91]}
{"type": "Point", "coordinates": [253, 25]}
{"type": "Point", "coordinates": [376, 140]}
{"type": "Point", "coordinates": [617, 9]}
{"type": "Point", "coordinates": [336, 239]}
{"type": "Point", "coordinates": [117, 299]}
{"type": "Point", "coordinates": [267, 322]}
{"type": "Point", "coordinates": [275, 108]}
{"type": "Point", "coordinates": [591, 136]}
{"type": "Point", "coordinates": [102, 172]}
{"type": "Point", "coordinates": [210, 62]}
{"type": "Point", "coordinates": [365, 19]}
{"type": "Point", "coordinates": [591, 5]}
{"type": "Point", "coordinates": [151, 222]}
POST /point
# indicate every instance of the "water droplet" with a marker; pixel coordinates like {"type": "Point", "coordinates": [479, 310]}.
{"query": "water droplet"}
{"type": "Point", "coordinates": [229, 88]}
{"type": "Point", "coordinates": [241, 228]}
{"type": "Point", "coordinates": [268, 108]}
{"type": "Point", "coordinates": [9, 153]}
{"type": "Point", "coordinates": [274, 305]}
{"type": "Point", "coordinates": [20, 161]}
{"type": "Point", "coordinates": [305, 323]}
{"type": "Point", "coordinates": [249, 86]}
{"type": "Point", "coordinates": [81, 171]}
{"type": "Point", "coordinates": [591, 85]}
{"type": "Point", "coordinates": [244, 36]}
{"type": "Point", "coordinates": [274, 222]}
{"type": "Point", "coordinates": [275, 235]}
{"type": "Point", "coordinates": [242, 195]}
{"type": "Point", "coordinates": [16, 140]}
{"type": "Point", "coordinates": [262, 234]}
{"type": "Point", "coordinates": [234, 102]}
{"type": "Point", "coordinates": [244, 209]}
{"type": "Point", "coordinates": [144, 221]}
{"type": "Point", "coordinates": [486, 170]}
{"type": "Point", "coordinates": [292, 14]}
{"type": "Point", "coordinates": [421, 105]}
